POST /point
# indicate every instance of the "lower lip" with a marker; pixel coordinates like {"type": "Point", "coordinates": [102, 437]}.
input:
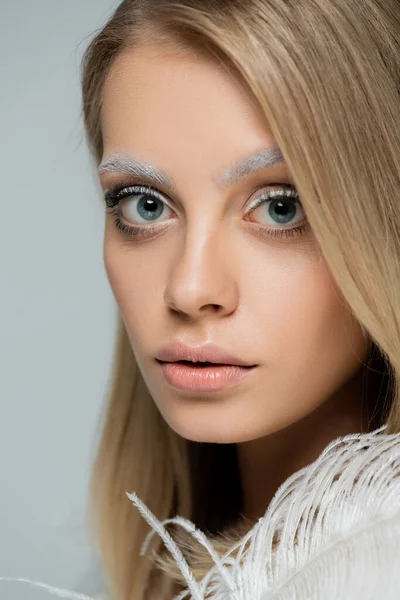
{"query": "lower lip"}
{"type": "Point", "coordinates": [204, 379]}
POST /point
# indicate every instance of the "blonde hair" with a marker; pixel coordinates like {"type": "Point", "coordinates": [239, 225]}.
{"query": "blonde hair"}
{"type": "Point", "coordinates": [326, 75]}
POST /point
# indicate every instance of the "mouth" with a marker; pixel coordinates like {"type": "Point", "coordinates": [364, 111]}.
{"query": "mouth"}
{"type": "Point", "coordinates": [203, 376]}
{"type": "Point", "coordinates": [200, 365]}
{"type": "Point", "coordinates": [204, 356]}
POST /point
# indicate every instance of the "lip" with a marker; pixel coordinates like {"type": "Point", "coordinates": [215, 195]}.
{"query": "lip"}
{"type": "Point", "coordinates": [212, 353]}
{"type": "Point", "coordinates": [204, 379]}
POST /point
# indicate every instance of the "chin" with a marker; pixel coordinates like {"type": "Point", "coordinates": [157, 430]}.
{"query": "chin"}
{"type": "Point", "coordinates": [216, 421]}
{"type": "Point", "coordinates": [207, 436]}
{"type": "Point", "coordinates": [213, 431]}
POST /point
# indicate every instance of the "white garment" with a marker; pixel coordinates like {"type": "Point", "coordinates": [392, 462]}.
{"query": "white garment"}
{"type": "Point", "coordinates": [337, 522]}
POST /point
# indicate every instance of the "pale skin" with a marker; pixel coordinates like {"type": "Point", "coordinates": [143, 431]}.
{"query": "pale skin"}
{"type": "Point", "coordinates": [208, 274]}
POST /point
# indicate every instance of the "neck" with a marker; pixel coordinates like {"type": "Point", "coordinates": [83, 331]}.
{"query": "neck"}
{"type": "Point", "coordinates": [265, 463]}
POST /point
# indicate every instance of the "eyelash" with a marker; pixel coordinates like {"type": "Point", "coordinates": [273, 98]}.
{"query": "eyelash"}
{"type": "Point", "coordinates": [116, 193]}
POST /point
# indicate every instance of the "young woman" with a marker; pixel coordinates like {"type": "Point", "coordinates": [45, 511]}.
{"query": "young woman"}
{"type": "Point", "coordinates": [249, 155]}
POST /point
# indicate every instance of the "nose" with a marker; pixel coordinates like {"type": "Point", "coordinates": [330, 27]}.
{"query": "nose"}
{"type": "Point", "coordinates": [202, 281]}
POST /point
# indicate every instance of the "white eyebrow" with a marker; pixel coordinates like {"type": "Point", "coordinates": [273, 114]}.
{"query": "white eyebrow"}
{"type": "Point", "coordinates": [124, 163]}
{"type": "Point", "coordinates": [245, 167]}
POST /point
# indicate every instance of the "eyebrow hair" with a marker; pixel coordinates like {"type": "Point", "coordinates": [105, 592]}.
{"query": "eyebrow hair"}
{"type": "Point", "coordinates": [123, 163]}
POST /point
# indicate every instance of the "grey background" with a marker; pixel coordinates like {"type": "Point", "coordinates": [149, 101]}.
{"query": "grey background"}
{"type": "Point", "coordinates": [57, 312]}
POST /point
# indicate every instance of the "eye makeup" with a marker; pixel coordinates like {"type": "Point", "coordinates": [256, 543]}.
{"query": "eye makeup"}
{"type": "Point", "coordinates": [124, 163]}
{"type": "Point", "coordinates": [277, 196]}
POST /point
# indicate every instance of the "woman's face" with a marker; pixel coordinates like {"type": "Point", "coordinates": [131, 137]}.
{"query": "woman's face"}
{"type": "Point", "coordinates": [203, 264]}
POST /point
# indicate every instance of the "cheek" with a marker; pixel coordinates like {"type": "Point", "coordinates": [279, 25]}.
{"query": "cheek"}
{"type": "Point", "coordinates": [119, 265]}
{"type": "Point", "coordinates": [136, 277]}
{"type": "Point", "coordinates": [127, 273]}
{"type": "Point", "coordinates": [312, 341]}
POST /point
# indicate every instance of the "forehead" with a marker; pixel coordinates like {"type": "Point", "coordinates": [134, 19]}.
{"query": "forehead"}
{"type": "Point", "coordinates": [176, 110]}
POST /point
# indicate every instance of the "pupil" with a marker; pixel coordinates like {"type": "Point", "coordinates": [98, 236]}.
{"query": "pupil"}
{"type": "Point", "coordinates": [284, 210]}
{"type": "Point", "coordinates": [149, 208]}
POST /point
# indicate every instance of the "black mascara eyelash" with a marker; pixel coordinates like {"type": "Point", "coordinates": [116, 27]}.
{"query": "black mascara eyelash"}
{"type": "Point", "coordinates": [275, 232]}
{"type": "Point", "coordinates": [117, 192]}
{"type": "Point", "coordinates": [136, 232]}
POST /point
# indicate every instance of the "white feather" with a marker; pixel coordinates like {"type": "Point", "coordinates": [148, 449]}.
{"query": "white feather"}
{"type": "Point", "coordinates": [61, 593]}
{"type": "Point", "coordinates": [337, 527]}
{"type": "Point", "coordinates": [337, 522]}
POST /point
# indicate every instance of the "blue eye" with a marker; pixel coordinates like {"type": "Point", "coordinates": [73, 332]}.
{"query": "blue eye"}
{"type": "Point", "coordinates": [147, 207]}
{"type": "Point", "coordinates": [150, 208]}
{"type": "Point", "coordinates": [282, 205]}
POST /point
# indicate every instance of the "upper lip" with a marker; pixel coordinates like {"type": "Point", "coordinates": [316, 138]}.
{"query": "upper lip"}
{"type": "Point", "coordinates": [205, 353]}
